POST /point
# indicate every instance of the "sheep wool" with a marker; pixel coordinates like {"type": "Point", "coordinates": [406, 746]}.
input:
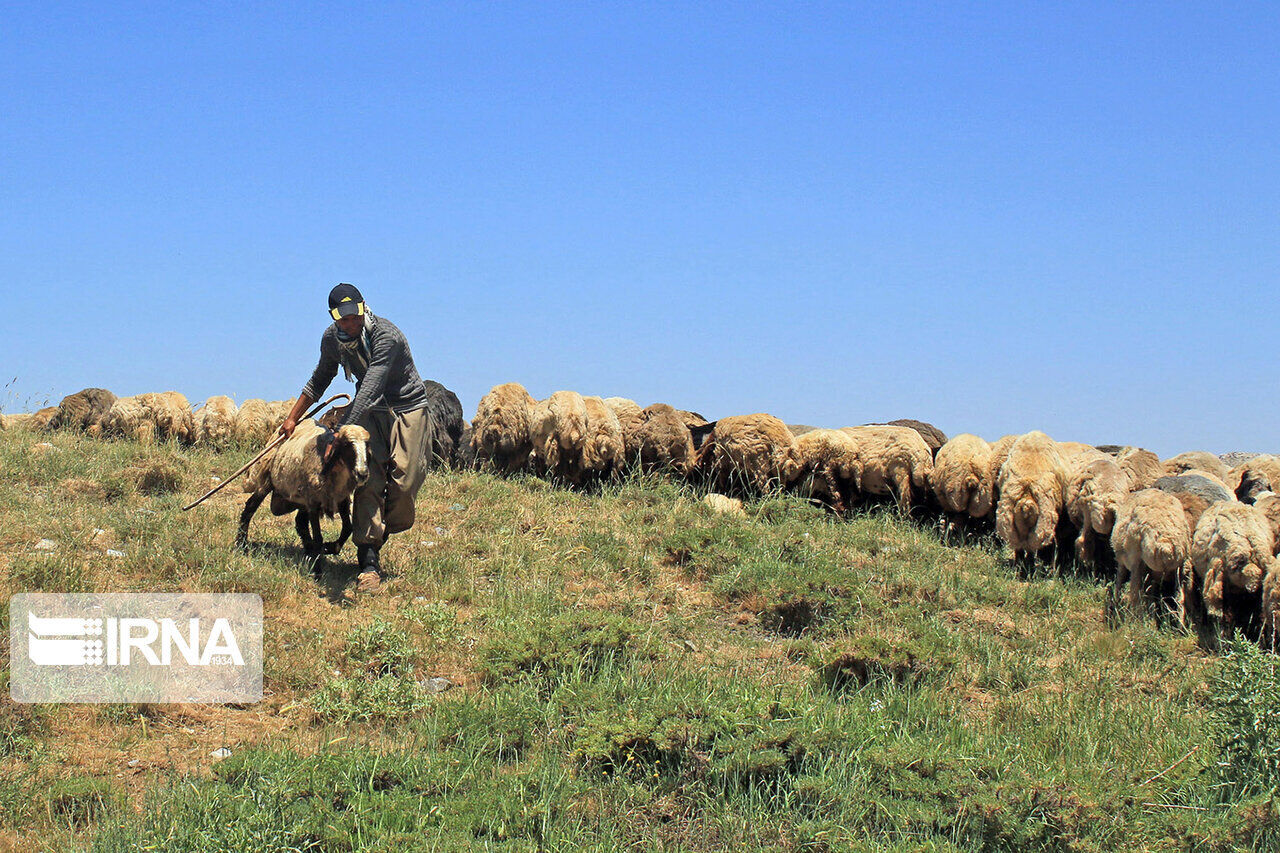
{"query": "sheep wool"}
{"type": "Point", "coordinates": [1093, 497]}
{"type": "Point", "coordinates": [663, 441]}
{"type": "Point", "coordinates": [558, 427]}
{"type": "Point", "coordinates": [829, 461]}
{"type": "Point", "coordinates": [961, 477]}
{"type": "Point", "coordinates": [501, 433]}
{"type": "Point", "coordinates": [216, 421]}
{"type": "Point", "coordinates": [1150, 537]}
{"type": "Point", "coordinates": [1032, 494]}
{"type": "Point", "coordinates": [1196, 460]}
{"type": "Point", "coordinates": [84, 408]}
{"type": "Point", "coordinates": [1142, 466]}
{"type": "Point", "coordinates": [1232, 549]}
{"type": "Point", "coordinates": [750, 453]}
{"type": "Point", "coordinates": [1248, 480]}
{"type": "Point", "coordinates": [253, 422]}
{"type": "Point", "coordinates": [892, 461]}
{"type": "Point", "coordinates": [603, 451]}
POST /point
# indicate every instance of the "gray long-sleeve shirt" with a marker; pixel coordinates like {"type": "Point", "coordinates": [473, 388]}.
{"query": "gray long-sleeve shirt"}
{"type": "Point", "coordinates": [390, 379]}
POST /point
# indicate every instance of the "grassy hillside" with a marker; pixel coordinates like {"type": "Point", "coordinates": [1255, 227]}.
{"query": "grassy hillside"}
{"type": "Point", "coordinates": [630, 670]}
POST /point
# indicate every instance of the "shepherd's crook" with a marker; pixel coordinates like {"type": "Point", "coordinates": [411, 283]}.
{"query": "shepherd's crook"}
{"type": "Point", "coordinates": [261, 453]}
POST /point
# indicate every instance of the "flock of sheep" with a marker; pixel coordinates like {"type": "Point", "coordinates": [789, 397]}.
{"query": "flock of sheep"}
{"type": "Point", "coordinates": [1188, 535]}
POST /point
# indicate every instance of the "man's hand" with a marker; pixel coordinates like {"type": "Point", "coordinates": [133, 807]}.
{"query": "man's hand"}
{"type": "Point", "coordinates": [287, 428]}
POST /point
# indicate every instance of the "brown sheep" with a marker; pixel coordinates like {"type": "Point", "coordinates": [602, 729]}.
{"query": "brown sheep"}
{"type": "Point", "coordinates": [1032, 496]}
{"type": "Point", "coordinates": [501, 435]}
{"type": "Point", "coordinates": [893, 461]}
{"type": "Point", "coordinates": [173, 416]}
{"type": "Point", "coordinates": [829, 467]}
{"type": "Point", "coordinates": [216, 422]}
{"type": "Point", "coordinates": [253, 422]}
{"type": "Point", "coordinates": [558, 427]}
{"type": "Point", "coordinates": [300, 479]}
{"type": "Point", "coordinates": [150, 417]}
{"type": "Point", "coordinates": [663, 441]}
{"type": "Point", "coordinates": [43, 420]}
{"type": "Point", "coordinates": [961, 480]}
{"type": "Point", "coordinates": [1248, 480]}
{"type": "Point", "coordinates": [1150, 538]}
{"type": "Point", "coordinates": [1197, 460]}
{"type": "Point", "coordinates": [630, 418]}
{"type": "Point", "coordinates": [604, 450]}
{"type": "Point", "coordinates": [933, 437]}
{"type": "Point", "coordinates": [1232, 550]}
{"type": "Point", "coordinates": [749, 453]}
{"type": "Point", "coordinates": [1142, 466]}
{"type": "Point", "coordinates": [84, 408]}
{"type": "Point", "coordinates": [1093, 496]}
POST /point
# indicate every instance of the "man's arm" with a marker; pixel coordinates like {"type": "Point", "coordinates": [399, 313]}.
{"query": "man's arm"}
{"type": "Point", "coordinates": [375, 378]}
{"type": "Point", "coordinates": [291, 423]}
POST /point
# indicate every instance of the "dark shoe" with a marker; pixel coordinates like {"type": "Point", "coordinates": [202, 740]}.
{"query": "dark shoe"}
{"type": "Point", "coordinates": [367, 559]}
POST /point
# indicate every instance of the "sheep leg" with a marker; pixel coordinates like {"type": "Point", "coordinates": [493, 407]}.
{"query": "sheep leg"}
{"type": "Point", "coordinates": [1135, 588]}
{"type": "Point", "coordinates": [302, 523]}
{"type": "Point", "coordinates": [335, 547]}
{"type": "Point", "coordinates": [250, 507]}
{"type": "Point", "coordinates": [317, 542]}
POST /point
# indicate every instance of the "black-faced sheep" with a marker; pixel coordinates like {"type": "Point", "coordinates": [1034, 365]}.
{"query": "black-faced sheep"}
{"type": "Point", "coordinates": [216, 422]}
{"type": "Point", "coordinates": [84, 408]}
{"type": "Point", "coordinates": [663, 442]}
{"type": "Point", "coordinates": [1151, 541]}
{"type": "Point", "coordinates": [829, 467]}
{"type": "Point", "coordinates": [749, 454]}
{"type": "Point", "coordinates": [558, 427]}
{"type": "Point", "coordinates": [1196, 460]}
{"type": "Point", "coordinates": [1032, 496]}
{"type": "Point", "coordinates": [300, 479]}
{"type": "Point", "coordinates": [501, 433]}
{"type": "Point", "coordinates": [961, 481]}
{"type": "Point", "coordinates": [893, 461]}
{"type": "Point", "coordinates": [1232, 549]}
{"type": "Point", "coordinates": [1093, 496]}
{"type": "Point", "coordinates": [1250, 479]}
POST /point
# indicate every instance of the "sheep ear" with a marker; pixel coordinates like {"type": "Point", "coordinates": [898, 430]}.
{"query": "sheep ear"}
{"type": "Point", "coordinates": [335, 443]}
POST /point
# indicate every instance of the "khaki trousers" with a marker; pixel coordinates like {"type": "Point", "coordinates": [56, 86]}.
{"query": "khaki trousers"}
{"type": "Point", "coordinates": [397, 466]}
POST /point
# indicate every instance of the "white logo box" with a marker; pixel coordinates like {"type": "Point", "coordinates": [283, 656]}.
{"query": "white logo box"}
{"type": "Point", "coordinates": [135, 647]}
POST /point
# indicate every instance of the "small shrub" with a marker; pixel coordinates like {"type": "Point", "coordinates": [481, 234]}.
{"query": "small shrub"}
{"type": "Point", "coordinates": [872, 658]}
{"type": "Point", "coordinates": [578, 641]}
{"type": "Point", "coordinates": [380, 648]}
{"type": "Point", "coordinates": [159, 476]}
{"type": "Point", "coordinates": [79, 800]}
{"type": "Point", "coordinates": [1244, 700]}
{"type": "Point", "coordinates": [361, 699]}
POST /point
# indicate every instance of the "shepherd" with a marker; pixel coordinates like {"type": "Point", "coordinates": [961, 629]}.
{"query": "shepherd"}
{"type": "Point", "coordinates": [391, 403]}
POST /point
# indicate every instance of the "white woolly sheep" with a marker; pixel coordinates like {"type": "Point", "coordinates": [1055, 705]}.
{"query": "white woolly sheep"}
{"type": "Point", "coordinates": [829, 465]}
{"type": "Point", "coordinates": [630, 418]}
{"type": "Point", "coordinates": [892, 461]}
{"type": "Point", "coordinates": [500, 432]}
{"type": "Point", "coordinates": [1150, 539]}
{"type": "Point", "coordinates": [1232, 550]}
{"type": "Point", "coordinates": [1032, 496]}
{"type": "Point", "coordinates": [299, 479]}
{"type": "Point", "coordinates": [216, 421]}
{"type": "Point", "coordinates": [961, 480]}
{"type": "Point", "coordinates": [749, 453]}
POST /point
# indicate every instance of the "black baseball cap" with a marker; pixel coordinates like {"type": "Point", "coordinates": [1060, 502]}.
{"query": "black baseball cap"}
{"type": "Point", "coordinates": [345, 300]}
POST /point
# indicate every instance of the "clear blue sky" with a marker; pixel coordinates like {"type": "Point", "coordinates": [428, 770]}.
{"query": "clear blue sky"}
{"type": "Point", "coordinates": [994, 217]}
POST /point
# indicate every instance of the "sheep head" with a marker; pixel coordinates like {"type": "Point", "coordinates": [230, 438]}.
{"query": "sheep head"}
{"type": "Point", "coordinates": [351, 448]}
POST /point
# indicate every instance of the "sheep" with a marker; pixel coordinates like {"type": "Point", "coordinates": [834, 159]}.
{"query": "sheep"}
{"type": "Point", "coordinates": [604, 449]}
{"type": "Point", "coordinates": [1093, 495]}
{"type": "Point", "coordinates": [1032, 495]}
{"type": "Point", "coordinates": [1196, 459]}
{"type": "Point", "coordinates": [501, 432]}
{"type": "Point", "coordinates": [749, 454]}
{"type": "Point", "coordinates": [1268, 503]}
{"type": "Point", "coordinates": [253, 422]}
{"type": "Point", "coordinates": [892, 461]}
{"type": "Point", "coordinates": [1142, 466]}
{"type": "Point", "coordinates": [999, 453]}
{"type": "Point", "coordinates": [961, 480]}
{"type": "Point", "coordinates": [829, 467]}
{"type": "Point", "coordinates": [84, 408]}
{"type": "Point", "coordinates": [798, 430]}
{"type": "Point", "coordinates": [933, 437]}
{"type": "Point", "coordinates": [1250, 479]}
{"type": "Point", "coordinates": [299, 478]}
{"type": "Point", "coordinates": [1150, 538]}
{"type": "Point", "coordinates": [558, 427]}
{"type": "Point", "coordinates": [1232, 550]}
{"type": "Point", "coordinates": [630, 418]}
{"type": "Point", "coordinates": [1076, 455]}
{"type": "Point", "coordinates": [150, 417]}
{"type": "Point", "coordinates": [44, 419]}
{"type": "Point", "coordinates": [663, 441]}
{"type": "Point", "coordinates": [216, 422]}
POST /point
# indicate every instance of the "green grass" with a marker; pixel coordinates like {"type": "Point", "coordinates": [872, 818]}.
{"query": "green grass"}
{"type": "Point", "coordinates": [632, 671]}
